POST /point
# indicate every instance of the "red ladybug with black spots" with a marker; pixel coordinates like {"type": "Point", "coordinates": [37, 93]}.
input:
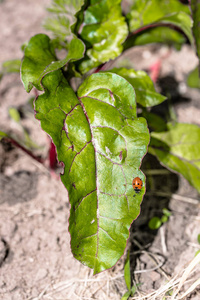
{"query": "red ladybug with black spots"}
{"type": "Point", "coordinates": [137, 184]}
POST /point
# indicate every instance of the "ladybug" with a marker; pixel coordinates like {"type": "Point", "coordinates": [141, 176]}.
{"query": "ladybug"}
{"type": "Point", "coordinates": [137, 184]}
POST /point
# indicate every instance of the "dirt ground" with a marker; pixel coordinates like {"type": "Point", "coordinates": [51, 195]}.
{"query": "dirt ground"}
{"type": "Point", "coordinates": [35, 255]}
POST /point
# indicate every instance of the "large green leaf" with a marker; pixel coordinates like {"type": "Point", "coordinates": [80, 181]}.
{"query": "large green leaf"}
{"type": "Point", "coordinates": [101, 142]}
{"type": "Point", "coordinates": [146, 94]}
{"type": "Point", "coordinates": [104, 29]}
{"type": "Point", "coordinates": [146, 13]}
{"type": "Point", "coordinates": [39, 59]}
{"type": "Point", "coordinates": [195, 5]}
{"type": "Point", "coordinates": [179, 149]}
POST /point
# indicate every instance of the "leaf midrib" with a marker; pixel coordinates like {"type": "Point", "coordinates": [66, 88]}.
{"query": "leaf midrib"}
{"type": "Point", "coordinates": [97, 188]}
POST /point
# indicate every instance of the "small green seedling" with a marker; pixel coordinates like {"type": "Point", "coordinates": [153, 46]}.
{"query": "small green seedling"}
{"type": "Point", "coordinates": [156, 222]}
{"type": "Point", "coordinates": [198, 240]}
{"type": "Point", "coordinates": [25, 139]}
{"type": "Point", "coordinates": [127, 277]}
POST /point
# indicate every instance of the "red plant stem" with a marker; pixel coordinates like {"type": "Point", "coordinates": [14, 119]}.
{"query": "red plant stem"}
{"type": "Point", "coordinates": [154, 26]}
{"type": "Point", "coordinates": [52, 156]}
{"type": "Point", "coordinates": [16, 144]}
{"type": "Point", "coordinates": [100, 68]}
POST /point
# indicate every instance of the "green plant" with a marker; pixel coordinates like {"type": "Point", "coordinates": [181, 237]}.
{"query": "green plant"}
{"type": "Point", "coordinates": [21, 139]}
{"type": "Point", "coordinates": [95, 126]}
{"type": "Point", "coordinates": [156, 222]}
{"type": "Point", "coordinates": [127, 277]}
{"type": "Point", "coordinates": [198, 240]}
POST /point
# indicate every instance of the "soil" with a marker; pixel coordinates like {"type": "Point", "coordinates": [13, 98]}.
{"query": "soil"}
{"type": "Point", "coordinates": [35, 255]}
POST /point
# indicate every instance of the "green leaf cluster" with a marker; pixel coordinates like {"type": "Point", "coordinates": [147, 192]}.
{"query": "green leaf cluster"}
{"type": "Point", "coordinates": [101, 142]}
{"type": "Point", "coordinates": [106, 32]}
{"type": "Point", "coordinates": [95, 127]}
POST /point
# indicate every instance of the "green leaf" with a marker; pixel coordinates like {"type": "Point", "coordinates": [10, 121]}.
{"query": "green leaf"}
{"type": "Point", "coordinates": [86, 64]}
{"type": "Point", "coordinates": [127, 271]}
{"type": "Point", "coordinates": [195, 6]}
{"type": "Point", "coordinates": [101, 142]}
{"type": "Point", "coordinates": [198, 238]}
{"type": "Point", "coordinates": [3, 135]}
{"type": "Point", "coordinates": [11, 66]}
{"type": "Point", "coordinates": [126, 296]}
{"type": "Point", "coordinates": [75, 27]}
{"type": "Point", "coordinates": [164, 219]}
{"type": "Point", "coordinates": [193, 79]}
{"type": "Point", "coordinates": [155, 223]}
{"type": "Point", "coordinates": [146, 94]}
{"type": "Point", "coordinates": [14, 114]}
{"type": "Point", "coordinates": [155, 122]}
{"type": "Point", "coordinates": [197, 252]}
{"type": "Point", "coordinates": [64, 17]}
{"type": "Point", "coordinates": [39, 59]}
{"type": "Point", "coordinates": [60, 26]}
{"type": "Point", "coordinates": [146, 13]}
{"type": "Point", "coordinates": [129, 293]}
{"type": "Point", "coordinates": [179, 149]}
{"type": "Point", "coordinates": [182, 21]}
{"type": "Point", "coordinates": [24, 140]}
{"type": "Point", "coordinates": [105, 30]}
{"type": "Point", "coordinates": [133, 289]}
{"type": "Point", "coordinates": [166, 212]}
{"type": "Point", "coordinates": [164, 35]}
{"type": "Point", "coordinates": [38, 55]}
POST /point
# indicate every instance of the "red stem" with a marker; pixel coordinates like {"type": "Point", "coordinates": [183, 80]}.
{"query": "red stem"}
{"type": "Point", "coordinates": [52, 156]}
{"type": "Point", "coordinates": [16, 144]}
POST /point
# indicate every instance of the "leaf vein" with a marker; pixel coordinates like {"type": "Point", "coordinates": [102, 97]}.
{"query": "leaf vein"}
{"type": "Point", "coordinates": [107, 234]}
{"type": "Point", "coordinates": [115, 163]}
{"type": "Point", "coordinates": [97, 189]}
{"type": "Point", "coordinates": [77, 153]}
{"type": "Point", "coordinates": [105, 103]}
{"type": "Point", "coordinates": [112, 195]}
{"type": "Point", "coordinates": [84, 198]}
